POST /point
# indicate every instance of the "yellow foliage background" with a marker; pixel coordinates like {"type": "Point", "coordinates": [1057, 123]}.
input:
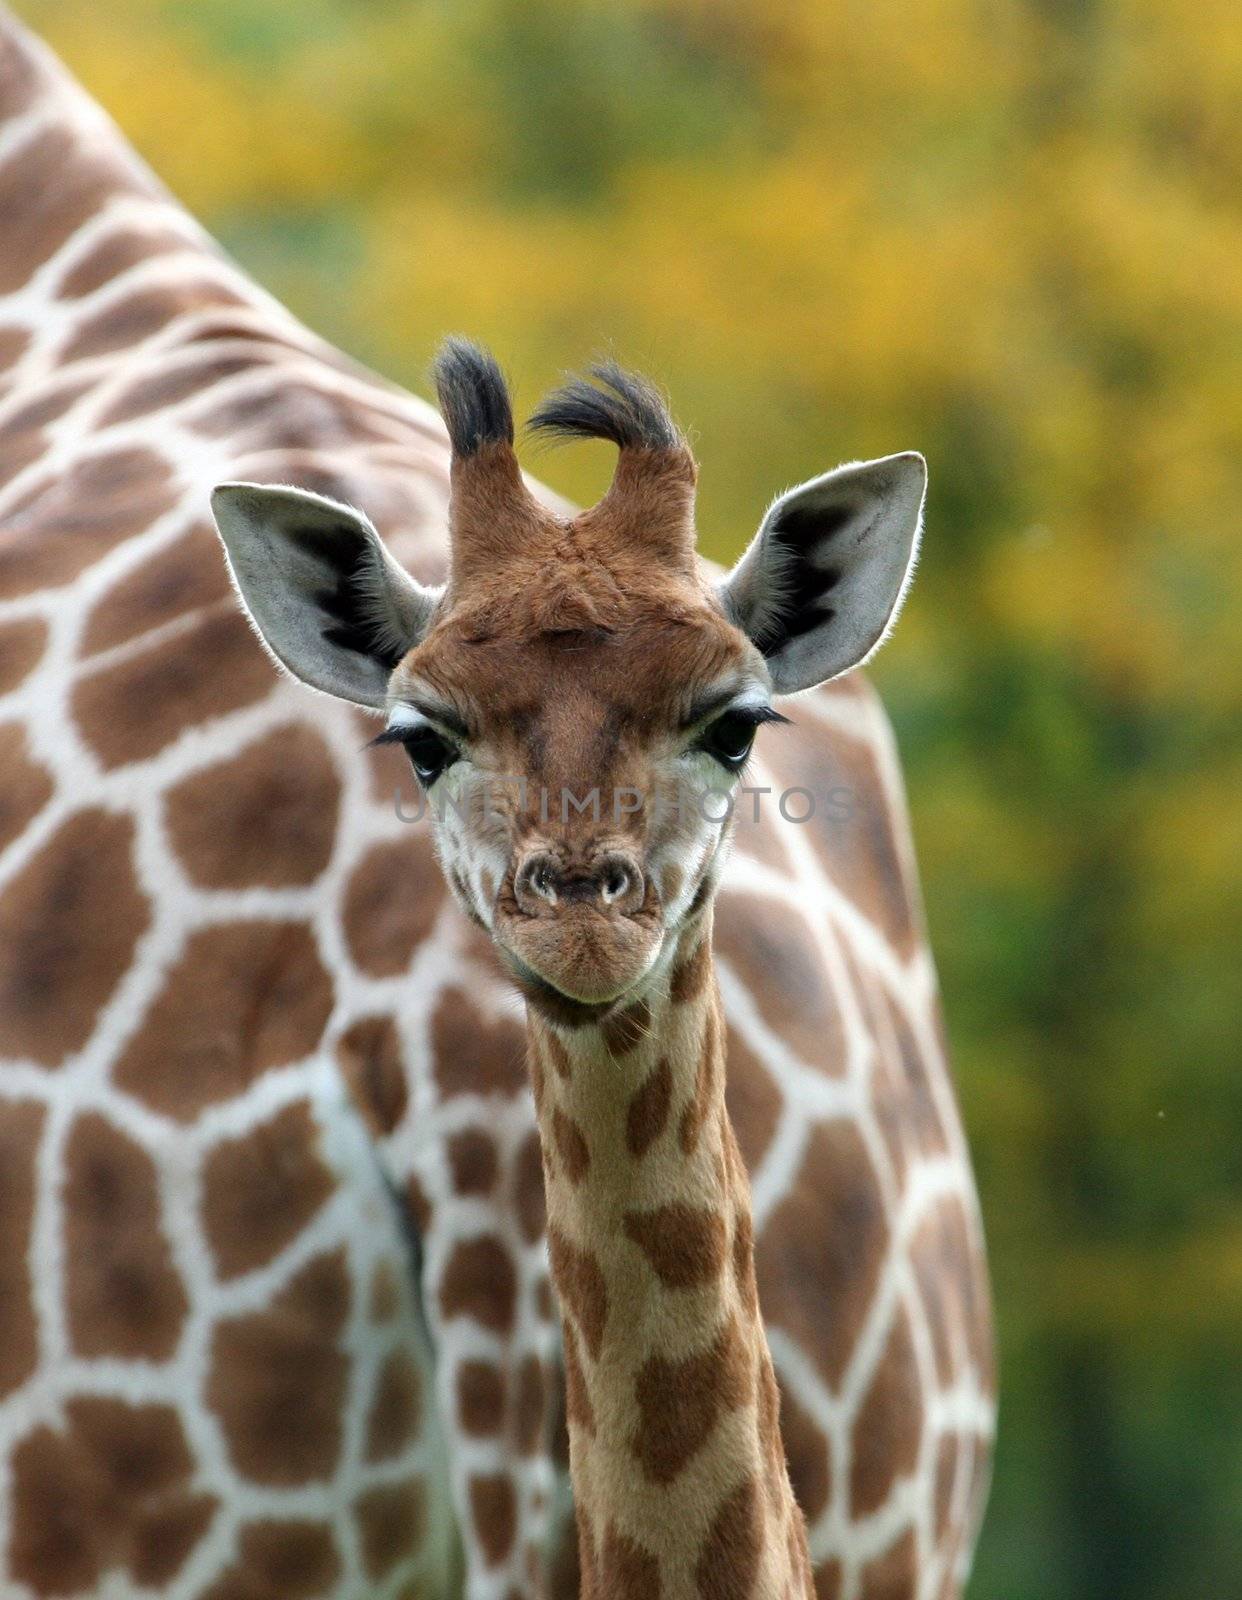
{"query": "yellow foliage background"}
{"type": "Point", "coordinates": [1008, 233]}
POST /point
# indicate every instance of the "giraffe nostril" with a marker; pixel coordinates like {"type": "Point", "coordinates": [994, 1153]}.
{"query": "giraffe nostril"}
{"type": "Point", "coordinates": [616, 882]}
{"type": "Point", "coordinates": [537, 881]}
{"type": "Point", "coordinates": [620, 882]}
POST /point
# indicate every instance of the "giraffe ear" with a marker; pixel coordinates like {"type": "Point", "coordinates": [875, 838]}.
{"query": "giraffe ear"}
{"type": "Point", "coordinates": [824, 578]}
{"type": "Point", "coordinates": [327, 599]}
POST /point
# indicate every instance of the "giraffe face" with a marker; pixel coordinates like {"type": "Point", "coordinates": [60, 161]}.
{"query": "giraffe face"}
{"type": "Point", "coordinates": [579, 776]}
{"type": "Point", "coordinates": [578, 700]}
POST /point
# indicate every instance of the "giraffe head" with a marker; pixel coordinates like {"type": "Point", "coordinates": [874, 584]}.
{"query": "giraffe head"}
{"type": "Point", "coordinates": [579, 696]}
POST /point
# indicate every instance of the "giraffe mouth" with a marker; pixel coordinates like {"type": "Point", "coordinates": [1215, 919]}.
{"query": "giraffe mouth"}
{"type": "Point", "coordinates": [553, 1003]}
{"type": "Point", "coordinates": [579, 958]}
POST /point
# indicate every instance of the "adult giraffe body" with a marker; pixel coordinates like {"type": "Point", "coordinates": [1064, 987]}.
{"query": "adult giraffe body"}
{"type": "Point", "coordinates": [275, 1311]}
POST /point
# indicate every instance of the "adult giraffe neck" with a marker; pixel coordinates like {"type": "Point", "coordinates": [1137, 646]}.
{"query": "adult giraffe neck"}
{"type": "Point", "coordinates": [680, 1481]}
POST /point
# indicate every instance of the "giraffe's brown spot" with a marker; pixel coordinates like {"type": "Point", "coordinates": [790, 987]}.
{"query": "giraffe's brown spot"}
{"type": "Point", "coordinates": [474, 1055]}
{"type": "Point", "coordinates": [685, 1245]}
{"type": "Point", "coordinates": [626, 1571]}
{"type": "Point", "coordinates": [529, 1196]}
{"type": "Point", "coordinates": [768, 1412]}
{"type": "Point", "coordinates": [860, 845]}
{"type": "Point", "coordinates": [671, 881]}
{"type": "Point", "coordinates": [627, 1029]}
{"type": "Point", "coordinates": [952, 1279]}
{"type": "Point", "coordinates": [690, 976]}
{"type": "Point", "coordinates": [393, 898]}
{"type": "Point", "coordinates": [265, 818]}
{"type": "Point", "coordinates": [893, 1575]}
{"type": "Point", "coordinates": [821, 1249]}
{"type": "Point", "coordinates": [123, 1295]}
{"type": "Point", "coordinates": [131, 318]}
{"type": "Point", "coordinates": [564, 1568]}
{"type": "Point", "coordinates": [418, 1205]}
{"type": "Point", "coordinates": [647, 1115]}
{"type": "Point", "coordinates": [391, 1520]}
{"type": "Point", "coordinates": [744, 1259]}
{"type": "Point", "coordinates": [473, 1161]}
{"type": "Point", "coordinates": [133, 709]}
{"type": "Point", "coordinates": [50, 399]}
{"type": "Point", "coordinates": [23, 439]}
{"type": "Point", "coordinates": [278, 1378]}
{"type": "Point", "coordinates": [480, 1398]}
{"type": "Point", "coordinates": [18, 450]}
{"type": "Point", "coordinates": [170, 386]}
{"type": "Point", "coordinates": [21, 1125]}
{"type": "Point", "coordinates": [165, 1539]}
{"type": "Point", "coordinates": [753, 1100]}
{"type": "Point", "coordinates": [806, 1451]}
{"type": "Point", "coordinates": [68, 521]}
{"type": "Point", "coordinates": [112, 1490]}
{"type": "Point", "coordinates": [22, 76]}
{"type": "Point", "coordinates": [947, 1454]}
{"type": "Point", "coordinates": [370, 1058]}
{"type": "Point", "coordinates": [396, 1409]}
{"type": "Point", "coordinates": [278, 1560]}
{"type": "Point", "coordinates": [902, 1091]}
{"type": "Point", "coordinates": [557, 1054]}
{"type": "Point", "coordinates": [298, 416]}
{"type": "Point", "coordinates": [187, 575]}
{"type": "Point", "coordinates": [728, 1564]}
{"type": "Point", "coordinates": [493, 1508]}
{"type": "Point", "coordinates": [695, 1113]}
{"type": "Point", "coordinates": [773, 950]}
{"type": "Point", "coordinates": [21, 648]}
{"type": "Point", "coordinates": [889, 1423]}
{"type": "Point", "coordinates": [479, 1282]}
{"type": "Point", "coordinates": [529, 1404]}
{"type": "Point", "coordinates": [571, 1146]}
{"type": "Point", "coordinates": [26, 788]}
{"type": "Point", "coordinates": [14, 343]}
{"type": "Point", "coordinates": [244, 997]}
{"type": "Point", "coordinates": [578, 1408]}
{"type": "Point", "coordinates": [580, 1284]}
{"type": "Point", "coordinates": [385, 1299]}
{"type": "Point", "coordinates": [829, 1580]}
{"type": "Point", "coordinates": [680, 1402]}
{"type": "Point", "coordinates": [49, 186]}
{"type": "Point", "coordinates": [261, 1189]}
{"type": "Point", "coordinates": [117, 252]}
{"type": "Point", "coordinates": [69, 922]}
{"type": "Point", "coordinates": [534, 1065]}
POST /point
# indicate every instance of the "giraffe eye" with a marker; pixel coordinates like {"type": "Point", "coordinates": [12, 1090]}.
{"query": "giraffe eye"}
{"type": "Point", "coordinates": [430, 754]}
{"type": "Point", "coordinates": [729, 738]}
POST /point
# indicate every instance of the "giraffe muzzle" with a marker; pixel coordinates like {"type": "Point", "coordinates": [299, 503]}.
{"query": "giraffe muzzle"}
{"type": "Point", "coordinates": [584, 924]}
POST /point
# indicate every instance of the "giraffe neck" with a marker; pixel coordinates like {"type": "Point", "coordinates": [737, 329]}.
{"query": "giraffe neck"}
{"type": "Point", "coordinates": [679, 1476]}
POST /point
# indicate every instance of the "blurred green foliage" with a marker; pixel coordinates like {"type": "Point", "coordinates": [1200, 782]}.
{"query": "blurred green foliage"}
{"type": "Point", "coordinates": [1007, 232]}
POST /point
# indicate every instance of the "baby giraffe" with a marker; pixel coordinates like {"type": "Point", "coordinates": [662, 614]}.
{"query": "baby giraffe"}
{"type": "Point", "coordinates": [578, 702]}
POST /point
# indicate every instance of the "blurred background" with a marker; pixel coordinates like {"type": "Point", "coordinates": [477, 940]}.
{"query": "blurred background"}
{"type": "Point", "coordinates": [1007, 233]}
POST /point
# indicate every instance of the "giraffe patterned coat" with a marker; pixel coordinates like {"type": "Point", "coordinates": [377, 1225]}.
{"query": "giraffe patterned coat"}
{"type": "Point", "coordinates": [275, 1312]}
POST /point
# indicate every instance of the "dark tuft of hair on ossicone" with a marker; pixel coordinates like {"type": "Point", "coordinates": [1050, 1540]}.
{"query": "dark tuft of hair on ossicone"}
{"type": "Point", "coordinates": [473, 396]}
{"type": "Point", "coordinates": [618, 405]}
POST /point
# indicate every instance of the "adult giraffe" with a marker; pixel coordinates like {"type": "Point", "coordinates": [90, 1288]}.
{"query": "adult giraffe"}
{"type": "Point", "coordinates": [275, 1314]}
